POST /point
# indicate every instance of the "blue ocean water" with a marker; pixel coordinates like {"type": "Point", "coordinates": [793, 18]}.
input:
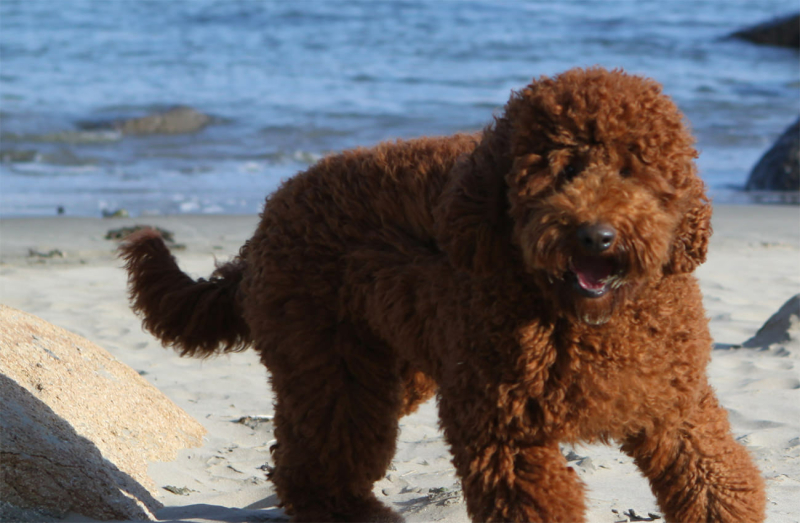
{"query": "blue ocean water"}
{"type": "Point", "coordinates": [287, 82]}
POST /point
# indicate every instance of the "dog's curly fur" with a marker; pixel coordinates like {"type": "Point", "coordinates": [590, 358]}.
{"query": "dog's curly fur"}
{"type": "Point", "coordinates": [536, 277]}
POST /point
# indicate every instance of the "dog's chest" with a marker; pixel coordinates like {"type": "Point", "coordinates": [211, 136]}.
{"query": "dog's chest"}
{"type": "Point", "coordinates": [591, 384]}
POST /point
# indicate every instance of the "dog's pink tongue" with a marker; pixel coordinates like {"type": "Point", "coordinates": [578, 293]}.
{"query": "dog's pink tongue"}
{"type": "Point", "coordinates": [592, 272]}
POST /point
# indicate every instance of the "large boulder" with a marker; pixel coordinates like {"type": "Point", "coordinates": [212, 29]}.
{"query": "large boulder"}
{"type": "Point", "coordinates": [783, 32]}
{"type": "Point", "coordinates": [77, 427]}
{"type": "Point", "coordinates": [779, 168]}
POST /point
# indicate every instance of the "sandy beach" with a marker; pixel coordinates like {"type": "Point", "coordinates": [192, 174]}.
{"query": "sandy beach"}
{"type": "Point", "coordinates": [64, 270]}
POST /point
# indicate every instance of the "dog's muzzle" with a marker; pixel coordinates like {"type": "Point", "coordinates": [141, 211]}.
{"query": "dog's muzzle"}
{"type": "Point", "coordinates": [593, 276]}
{"type": "Point", "coordinates": [593, 273]}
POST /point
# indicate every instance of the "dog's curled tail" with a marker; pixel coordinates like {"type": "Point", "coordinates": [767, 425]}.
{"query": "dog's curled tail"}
{"type": "Point", "coordinates": [196, 317]}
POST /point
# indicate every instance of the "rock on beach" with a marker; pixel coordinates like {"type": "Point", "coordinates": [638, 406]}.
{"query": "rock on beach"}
{"type": "Point", "coordinates": [779, 168]}
{"type": "Point", "coordinates": [77, 427]}
{"type": "Point", "coordinates": [781, 327]}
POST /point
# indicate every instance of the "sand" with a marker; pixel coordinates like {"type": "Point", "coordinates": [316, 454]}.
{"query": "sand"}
{"type": "Point", "coordinates": [65, 271]}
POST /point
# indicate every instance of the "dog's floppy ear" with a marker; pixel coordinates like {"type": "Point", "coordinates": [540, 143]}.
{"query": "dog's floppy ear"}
{"type": "Point", "coordinates": [690, 244]}
{"type": "Point", "coordinates": [471, 217]}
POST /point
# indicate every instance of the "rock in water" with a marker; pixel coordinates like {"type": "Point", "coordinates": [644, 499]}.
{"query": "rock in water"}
{"type": "Point", "coordinates": [781, 327]}
{"type": "Point", "coordinates": [77, 427]}
{"type": "Point", "coordinates": [783, 32]}
{"type": "Point", "coordinates": [178, 120]}
{"type": "Point", "coordinates": [779, 168]}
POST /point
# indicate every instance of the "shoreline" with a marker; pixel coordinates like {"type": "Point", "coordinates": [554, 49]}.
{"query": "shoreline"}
{"type": "Point", "coordinates": [223, 232]}
{"type": "Point", "coordinates": [752, 269]}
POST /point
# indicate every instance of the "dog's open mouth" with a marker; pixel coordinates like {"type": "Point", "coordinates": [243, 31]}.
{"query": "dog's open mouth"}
{"type": "Point", "coordinates": [593, 276]}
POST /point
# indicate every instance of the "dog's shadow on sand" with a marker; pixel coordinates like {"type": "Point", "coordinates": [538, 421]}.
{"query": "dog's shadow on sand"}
{"type": "Point", "coordinates": [264, 510]}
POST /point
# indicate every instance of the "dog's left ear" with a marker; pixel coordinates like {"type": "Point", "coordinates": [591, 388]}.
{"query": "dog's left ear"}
{"type": "Point", "coordinates": [690, 244]}
{"type": "Point", "coordinates": [471, 217]}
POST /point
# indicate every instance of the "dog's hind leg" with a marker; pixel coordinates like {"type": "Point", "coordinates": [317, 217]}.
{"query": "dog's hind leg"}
{"type": "Point", "coordinates": [339, 396]}
{"type": "Point", "coordinates": [697, 471]}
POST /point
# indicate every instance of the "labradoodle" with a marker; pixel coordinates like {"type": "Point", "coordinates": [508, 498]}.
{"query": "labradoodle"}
{"type": "Point", "coordinates": [536, 277]}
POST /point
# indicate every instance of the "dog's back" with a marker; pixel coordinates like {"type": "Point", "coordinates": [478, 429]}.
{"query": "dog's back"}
{"type": "Point", "coordinates": [323, 227]}
{"type": "Point", "coordinates": [369, 200]}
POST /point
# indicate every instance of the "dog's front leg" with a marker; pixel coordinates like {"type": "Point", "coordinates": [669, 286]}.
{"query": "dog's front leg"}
{"type": "Point", "coordinates": [505, 479]}
{"type": "Point", "coordinates": [697, 471]}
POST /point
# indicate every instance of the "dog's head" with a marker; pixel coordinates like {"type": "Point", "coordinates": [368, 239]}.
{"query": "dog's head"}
{"type": "Point", "coordinates": [588, 180]}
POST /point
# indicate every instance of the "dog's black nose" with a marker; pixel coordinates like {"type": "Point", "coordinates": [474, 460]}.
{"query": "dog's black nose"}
{"type": "Point", "coordinates": [596, 237]}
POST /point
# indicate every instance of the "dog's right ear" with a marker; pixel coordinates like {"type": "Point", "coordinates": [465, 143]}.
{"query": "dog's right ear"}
{"type": "Point", "coordinates": [472, 224]}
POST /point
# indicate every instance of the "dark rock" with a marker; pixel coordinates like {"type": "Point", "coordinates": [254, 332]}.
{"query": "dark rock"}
{"type": "Point", "coordinates": [255, 422]}
{"type": "Point", "coordinates": [178, 491]}
{"type": "Point", "coordinates": [783, 32]}
{"type": "Point", "coordinates": [779, 168]}
{"type": "Point", "coordinates": [633, 516]}
{"type": "Point", "coordinates": [444, 497]}
{"type": "Point", "coordinates": [781, 327]}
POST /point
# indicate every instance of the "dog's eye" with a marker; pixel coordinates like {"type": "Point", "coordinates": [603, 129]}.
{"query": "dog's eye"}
{"type": "Point", "coordinates": [569, 172]}
{"type": "Point", "coordinates": [625, 172]}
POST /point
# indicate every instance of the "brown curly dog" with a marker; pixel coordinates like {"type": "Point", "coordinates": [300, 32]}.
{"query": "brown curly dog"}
{"type": "Point", "coordinates": [536, 277]}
